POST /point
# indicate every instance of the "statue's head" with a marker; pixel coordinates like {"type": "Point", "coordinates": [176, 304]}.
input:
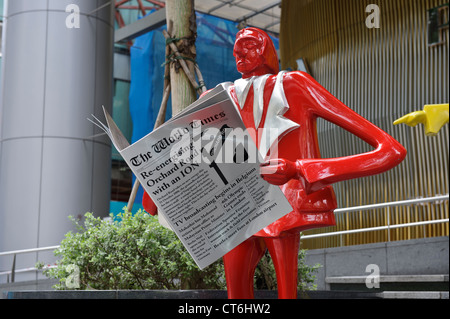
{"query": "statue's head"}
{"type": "Point", "coordinates": [255, 53]}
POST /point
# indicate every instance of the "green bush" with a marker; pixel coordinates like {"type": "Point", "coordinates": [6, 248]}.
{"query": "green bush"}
{"type": "Point", "coordinates": [136, 252]}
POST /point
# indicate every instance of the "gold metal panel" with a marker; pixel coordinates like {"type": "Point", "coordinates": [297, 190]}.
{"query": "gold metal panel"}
{"type": "Point", "coordinates": [381, 73]}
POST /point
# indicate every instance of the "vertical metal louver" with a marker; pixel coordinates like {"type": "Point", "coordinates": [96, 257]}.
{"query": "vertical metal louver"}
{"type": "Point", "coordinates": [381, 73]}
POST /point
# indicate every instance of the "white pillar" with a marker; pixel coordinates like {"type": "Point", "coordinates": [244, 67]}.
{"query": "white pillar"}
{"type": "Point", "coordinates": [57, 71]}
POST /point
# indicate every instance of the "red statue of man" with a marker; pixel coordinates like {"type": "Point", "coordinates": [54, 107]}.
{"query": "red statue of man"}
{"type": "Point", "coordinates": [290, 102]}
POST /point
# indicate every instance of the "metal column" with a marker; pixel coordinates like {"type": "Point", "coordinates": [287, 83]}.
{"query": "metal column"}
{"type": "Point", "coordinates": [57, 71]}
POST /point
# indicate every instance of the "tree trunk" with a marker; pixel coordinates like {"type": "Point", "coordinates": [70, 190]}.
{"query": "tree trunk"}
{"type": "Point", "coordinates": [180, 16]}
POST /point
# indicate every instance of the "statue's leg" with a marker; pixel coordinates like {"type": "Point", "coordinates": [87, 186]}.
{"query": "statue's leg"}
{"type": "Point", "coordinates": [284, 253]}
{"type": "Point", "coordinates": [240, 264]}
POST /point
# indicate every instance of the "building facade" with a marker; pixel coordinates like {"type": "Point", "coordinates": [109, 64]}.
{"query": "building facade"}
{"type": "Point", "coordinates": [382, 59]}
{"type": "Point", "coordinates": [57, 69]}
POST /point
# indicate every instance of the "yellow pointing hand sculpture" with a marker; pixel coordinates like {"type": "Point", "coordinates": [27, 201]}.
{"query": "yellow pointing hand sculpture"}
{"type": "Point", "coordinates": [433, 117]}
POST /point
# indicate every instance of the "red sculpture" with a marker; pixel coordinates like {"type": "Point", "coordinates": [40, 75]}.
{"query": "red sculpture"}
{"type": "Point", "coordinates": [291, 102]}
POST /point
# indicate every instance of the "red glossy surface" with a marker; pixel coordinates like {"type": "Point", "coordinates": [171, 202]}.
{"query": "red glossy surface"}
{"type": "Point", "coordinates": [303, 176]}
{"type": "Point", "coordinates": [149, 205]}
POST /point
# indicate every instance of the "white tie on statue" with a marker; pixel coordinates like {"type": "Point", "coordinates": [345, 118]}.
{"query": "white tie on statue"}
{"type": "Point", "coordinates": [277, 107]}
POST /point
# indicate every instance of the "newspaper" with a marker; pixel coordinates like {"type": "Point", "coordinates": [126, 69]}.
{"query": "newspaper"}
{"type": "Point", "coordinates": [201, 168]}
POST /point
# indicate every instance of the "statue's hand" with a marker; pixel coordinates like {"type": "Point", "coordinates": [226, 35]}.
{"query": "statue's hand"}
{"type": "Point", "coordinates": [149, 205]}
{"type": "Point", "coordinates": [412, 119]}
{"type": "Point", "coordinates": [433, 117]}
{"type": "Point", "coordinates": [278, 171]}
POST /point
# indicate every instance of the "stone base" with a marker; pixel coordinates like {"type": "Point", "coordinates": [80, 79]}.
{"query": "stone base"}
{"type": "Point", "coordinates": [176, 294]}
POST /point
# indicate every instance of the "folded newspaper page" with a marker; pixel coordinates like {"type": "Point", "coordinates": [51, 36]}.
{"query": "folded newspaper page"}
{"type": "Point", "coordinates": [201, 169]}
